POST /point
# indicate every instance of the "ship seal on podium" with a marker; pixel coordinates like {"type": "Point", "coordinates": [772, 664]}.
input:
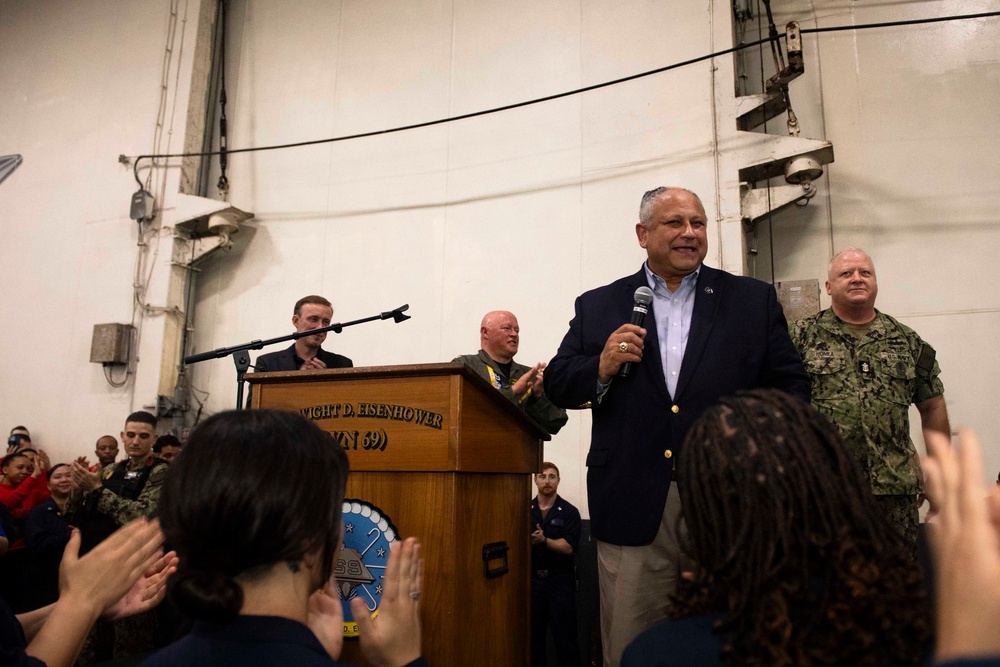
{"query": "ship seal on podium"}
{"type": "Point", "coordinates": [360, 568]}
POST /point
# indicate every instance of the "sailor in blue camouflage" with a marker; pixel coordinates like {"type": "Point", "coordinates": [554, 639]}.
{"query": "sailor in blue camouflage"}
{"type": "Point", "coordinates": [866, 369]}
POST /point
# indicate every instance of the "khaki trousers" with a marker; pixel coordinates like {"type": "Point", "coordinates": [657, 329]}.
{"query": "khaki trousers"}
{"type": "Point", "coordinates": [637, 582]}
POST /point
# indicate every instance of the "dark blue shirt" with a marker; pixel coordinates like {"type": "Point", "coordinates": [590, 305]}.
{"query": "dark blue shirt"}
{"type": "Point", "coordinates": [248, 641]}
{"type": "Point", "coordinates": [562, 521]}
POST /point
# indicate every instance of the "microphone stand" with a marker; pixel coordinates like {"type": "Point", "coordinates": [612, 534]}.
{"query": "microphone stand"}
{"type": "Point", "coordinates": [242, 359]}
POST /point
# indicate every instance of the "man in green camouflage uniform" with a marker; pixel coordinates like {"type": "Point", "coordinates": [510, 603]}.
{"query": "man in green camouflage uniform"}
{"type": "Point", "coordinates": [500, 337]}
{"type": "Point", "coordinates": [128, 489]}
{"type": "Point", "coordinates": [866, 369]}
{"type": "Point", "coordinates": [106, 501]}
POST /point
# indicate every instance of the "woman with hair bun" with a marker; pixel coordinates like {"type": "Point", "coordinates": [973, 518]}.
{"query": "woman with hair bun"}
{"type": "Point", "coordinates": [253, 509]}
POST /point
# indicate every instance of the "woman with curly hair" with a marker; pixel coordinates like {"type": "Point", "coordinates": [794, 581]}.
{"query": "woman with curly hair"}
{"type": "Point", "coordinates": [797, 565]}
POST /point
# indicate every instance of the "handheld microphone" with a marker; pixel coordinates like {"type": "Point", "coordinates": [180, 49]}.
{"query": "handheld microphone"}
{"type": "Point", "coordinates": [643, 297]}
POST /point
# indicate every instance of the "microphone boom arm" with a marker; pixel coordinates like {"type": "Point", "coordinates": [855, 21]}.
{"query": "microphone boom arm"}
{"type": "Point", "coordinates": [242, 360]}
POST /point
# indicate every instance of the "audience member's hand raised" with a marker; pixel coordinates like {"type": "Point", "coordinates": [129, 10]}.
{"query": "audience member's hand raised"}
{"type": "Point", "coordinates": [83, 478]}
{"type": "Point", "coordinates": [41, 461]}
{"type": "Point", "coordinates": [966, 543]}
{"type": "Point", "coordinates": [392, 638]}
{"type": "Point", "coordinates": [148, 590]}
{"type": "Point", "coordinates": [105, 574]}
{"type": "Point", "coordinates": [326, 618]}
{"type": "Point", "coordinates": [93, 584]}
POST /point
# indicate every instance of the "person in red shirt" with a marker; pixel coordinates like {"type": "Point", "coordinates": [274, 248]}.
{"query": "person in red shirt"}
{"type": "Point", "coordinates": [25, 481]}
{"type": "Point", "coordinates": [25, 485]}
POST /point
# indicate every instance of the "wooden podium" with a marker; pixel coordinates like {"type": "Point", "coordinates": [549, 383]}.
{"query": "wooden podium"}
{"type": "Point", "coordinates": [446, 458]}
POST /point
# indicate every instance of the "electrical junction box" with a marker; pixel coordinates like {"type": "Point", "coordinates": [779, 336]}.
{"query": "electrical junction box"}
{"type": "Point", "coordinates": [110, 344]}
{"type": "Point", "coordinates": [141, 206]}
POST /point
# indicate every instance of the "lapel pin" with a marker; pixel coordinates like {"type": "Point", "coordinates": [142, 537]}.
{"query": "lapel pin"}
{"type": "Point", "coordinates": [709, 290]}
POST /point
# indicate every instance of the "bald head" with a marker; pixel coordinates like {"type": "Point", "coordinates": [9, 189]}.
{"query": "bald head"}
{"type": "Point", "coordinates": [852, 286]}
{"type": "Point", "coordinates": [849, 254]}
{"type": "Point", "coordinates": [499, 335]}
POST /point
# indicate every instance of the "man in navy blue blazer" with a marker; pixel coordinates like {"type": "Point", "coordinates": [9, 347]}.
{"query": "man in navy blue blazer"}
{"type": "Point", "coordinates": [305, 354]}
{"type": "Point", "coordinates": [708, 334]}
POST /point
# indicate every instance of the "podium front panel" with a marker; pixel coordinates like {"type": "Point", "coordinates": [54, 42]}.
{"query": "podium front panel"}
{"type": "Point", "coordinates": [393, 424]}
{"type": "Point", "coordinates": [444, 457]}
{"type": "Point", "coordinates": [467, 617]}
{"type": "Point", "coordinates": [427, 423]}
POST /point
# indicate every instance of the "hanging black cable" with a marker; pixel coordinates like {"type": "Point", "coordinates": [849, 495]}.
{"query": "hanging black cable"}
{"type": "Point", "coordinates": [223, 183]}
{"type": "Point", "coordinates": [556, 96]}
{"type": "Point", "coordinates": [772, 32]}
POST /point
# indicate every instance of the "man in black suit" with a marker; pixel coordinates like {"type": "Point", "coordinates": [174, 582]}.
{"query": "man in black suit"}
{"type": "Point", "coordinates": [708, 334]}
{"type": "Point", "coordinates": [311, 312]}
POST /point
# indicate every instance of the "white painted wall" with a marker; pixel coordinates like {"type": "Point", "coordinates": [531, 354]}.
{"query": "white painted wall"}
{"type": "Point", "coordinates": [79, 85]}
{"type": "Point", "coordinates": [521, 210]}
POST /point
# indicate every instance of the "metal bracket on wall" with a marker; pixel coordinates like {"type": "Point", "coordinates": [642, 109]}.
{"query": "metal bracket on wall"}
{"type": "Point", "coordinates": [795, 66]}
{"type": "Point", "coordinates": [202, 236]}
{"type": "Point", "coordinates": [764, 156]}
{"type": "Point", "coordinates": [798, 169]}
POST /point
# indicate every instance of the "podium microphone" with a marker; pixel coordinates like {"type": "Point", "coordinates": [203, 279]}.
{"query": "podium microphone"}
{"type": "Point", "coordinates": [643, 297]}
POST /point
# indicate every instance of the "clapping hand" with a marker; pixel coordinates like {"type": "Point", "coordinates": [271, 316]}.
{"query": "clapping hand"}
{"type": "Point", "coordinates": [393, 638]}
{"type": "Point", "coordinates": [966, 544]}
